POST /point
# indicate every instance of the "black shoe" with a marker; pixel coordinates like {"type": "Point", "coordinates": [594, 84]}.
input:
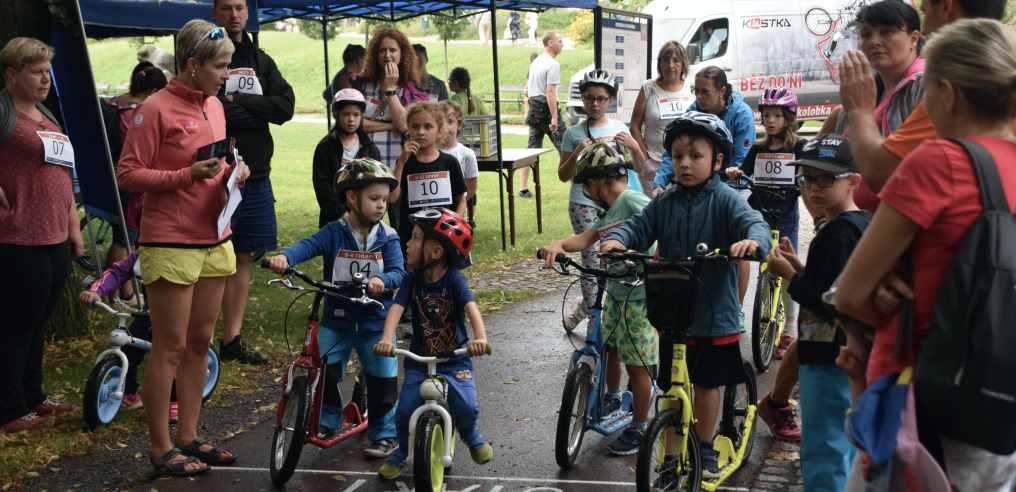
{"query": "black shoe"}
{"type": "Point", "coordinates": [240, 351]}
{"type": "Point", "coordinates": [525, 193]}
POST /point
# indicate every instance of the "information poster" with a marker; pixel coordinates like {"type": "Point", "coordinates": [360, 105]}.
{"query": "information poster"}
{"type": "Point", "coordinates": [625, 41]}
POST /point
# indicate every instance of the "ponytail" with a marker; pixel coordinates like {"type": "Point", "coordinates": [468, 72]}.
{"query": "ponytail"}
{"type": "Point", "coordinates": [470, 106]}
{"type": "Point", "coordinates": [461, 77]}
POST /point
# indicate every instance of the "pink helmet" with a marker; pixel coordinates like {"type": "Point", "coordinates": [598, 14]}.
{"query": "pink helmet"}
{"type": "Point", "coordinates": [349, 96]}
{"type": "Point", "coordinates": [780, 97]}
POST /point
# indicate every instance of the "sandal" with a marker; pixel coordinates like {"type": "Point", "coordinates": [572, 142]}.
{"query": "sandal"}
{"type": "Point", "coordinates": [165, 466]}
{"type": "Point", "coordinates": [215, 456]}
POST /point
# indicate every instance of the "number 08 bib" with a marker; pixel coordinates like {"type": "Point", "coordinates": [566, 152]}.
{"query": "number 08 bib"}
{"type": "Point", "coordinates": [773, 169]}
{"type": "Point", "coordinates": [427, 190]}
{"type": "Point", "coordinates": [349, 262]}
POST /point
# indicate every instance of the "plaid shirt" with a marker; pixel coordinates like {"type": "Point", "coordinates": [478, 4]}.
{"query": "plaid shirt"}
{"type": "Point", "coordinates": [389, 143]}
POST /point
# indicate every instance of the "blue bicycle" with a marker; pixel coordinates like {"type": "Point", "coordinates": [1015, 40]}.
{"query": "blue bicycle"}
{"type": "Point", "coordinates": [583, 407]}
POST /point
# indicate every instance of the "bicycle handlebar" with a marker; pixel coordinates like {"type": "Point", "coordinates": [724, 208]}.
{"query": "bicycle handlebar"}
{"type": "Point", "coordinates": [565, 262]}
{"type": "Point", "coordinates": [436, 358]}
{"type": "Point", "coordinates": [340, 289]}
{"type": "Point", "coordinates": [109, 309]}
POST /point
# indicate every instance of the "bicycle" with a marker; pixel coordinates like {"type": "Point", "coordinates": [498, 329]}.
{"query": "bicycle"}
{"type": "Point", "coordinates": [432, 429]}
{"type": "Point", "coordinates": [582, 404]}
{"type": "Point", "coordinates": [669, 456]}
{"type": "Point", "coordinates": [104, 389]}
{"type": "Point", "coordinates": [769, 316]}
{"type": "Point", "coordinates": [299, 409]}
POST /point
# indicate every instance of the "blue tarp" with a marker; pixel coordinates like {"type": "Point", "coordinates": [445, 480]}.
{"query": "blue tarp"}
{"type": "Point", "coordinates": [119, 18]}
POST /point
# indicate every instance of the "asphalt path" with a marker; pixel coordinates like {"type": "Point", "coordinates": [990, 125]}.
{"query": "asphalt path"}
{"type": "Point", "coordinates": [520, 391]}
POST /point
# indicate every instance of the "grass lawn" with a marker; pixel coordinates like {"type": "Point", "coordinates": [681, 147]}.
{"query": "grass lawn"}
{"type": "Point", "coordinates": [69, 362]}
{"type": "Point", "coordinates": [301, 61]}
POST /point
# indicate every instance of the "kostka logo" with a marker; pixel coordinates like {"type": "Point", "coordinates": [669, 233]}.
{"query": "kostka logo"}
{"type": "Point", "coordinates": [766, 23]}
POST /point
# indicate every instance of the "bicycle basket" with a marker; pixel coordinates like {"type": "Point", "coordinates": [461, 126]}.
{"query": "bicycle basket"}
{"type": "Point", "coordinates": [669, 297]}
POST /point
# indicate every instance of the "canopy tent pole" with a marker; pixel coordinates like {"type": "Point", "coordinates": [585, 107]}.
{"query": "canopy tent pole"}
{"type": "Point", "coordinates": [497, 118]}
{"type": "Point", "coordinates": [328, 80]}
{"type": "Point", "coordinates": [109, 159]}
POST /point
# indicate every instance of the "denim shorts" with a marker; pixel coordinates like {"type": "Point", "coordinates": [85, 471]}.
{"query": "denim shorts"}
{"type": "Point", "coordinates": [254, 227]}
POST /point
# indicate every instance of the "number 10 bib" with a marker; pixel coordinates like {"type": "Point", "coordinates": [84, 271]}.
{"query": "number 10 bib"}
{"type": "Point", "coordinates": [428, 190]}
{"type": "Point", "coordinates": [349, 262]}
{"type": "Point", "coordinates": [773, 169]}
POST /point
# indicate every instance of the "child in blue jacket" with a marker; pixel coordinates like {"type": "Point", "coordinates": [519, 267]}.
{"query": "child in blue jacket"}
{"type": "Point", "coordinates": [701, 209]}
{"type": "Point", "coordinates": [357, 242]}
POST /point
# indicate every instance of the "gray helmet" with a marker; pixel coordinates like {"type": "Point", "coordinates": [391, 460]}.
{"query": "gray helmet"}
{"type": "Point", "coordinates": [599, 77]}
{"type": "Point", "coordinates": [705, 124]}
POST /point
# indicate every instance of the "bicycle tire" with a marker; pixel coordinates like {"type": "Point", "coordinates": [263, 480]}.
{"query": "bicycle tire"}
{"type": "Point", "coordinates": [212, 374]}
{"type": "Point", "coordinates": [571, 418]}
{"type": "Point", "coordinates": [428, 455]}
{"type": "Point", "coordinates": [736, 400]}
{"type": "Point", "coordinates": [286, 454]}
{"type": "Point", "coordinates": [647, 467]}
{"type": "Point", "coordinates": [100, 408]}
{"type": "Point", "coordinates": [764, 330]}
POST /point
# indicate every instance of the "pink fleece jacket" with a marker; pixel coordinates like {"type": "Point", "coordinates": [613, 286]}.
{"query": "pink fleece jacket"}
{"type": "Point", "coordinates": [166, 132]}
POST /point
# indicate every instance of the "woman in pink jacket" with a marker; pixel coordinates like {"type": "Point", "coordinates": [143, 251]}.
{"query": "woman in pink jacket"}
{"type": "Point", "coordinates": [171, 156]}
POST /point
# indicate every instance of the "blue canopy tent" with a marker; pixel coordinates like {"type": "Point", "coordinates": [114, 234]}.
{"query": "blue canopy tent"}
{"type": "Point", "coordinates": [120, 18]}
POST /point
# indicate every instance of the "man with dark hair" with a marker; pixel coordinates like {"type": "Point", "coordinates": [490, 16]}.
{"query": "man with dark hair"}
{"type": "Point", "coordinates": [428, 83]}
{"type": "Point", "coordinates": [353, 59]}
{"type": "Point", "coordinates": [876, 157]}
{"type": "Point", "coordinates": [254, 96]}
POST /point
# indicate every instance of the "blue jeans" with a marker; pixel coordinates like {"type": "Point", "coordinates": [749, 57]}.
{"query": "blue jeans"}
{"type": "Point", "coordinates": [826, 454]}
{"type": "Point", "coordinates": [462, 404]}
{"type": "Point", "coordinates": [254, 227]}
{"type": "Point", "coordinates": [337, 345]}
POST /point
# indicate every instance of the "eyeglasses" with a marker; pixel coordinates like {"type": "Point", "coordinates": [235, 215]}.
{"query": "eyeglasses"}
{"type": "Point", "coordinates": [822, 180]}
{"type": "Point", "coordinates": [215, 34]}
{"type": "Point", "coordinates": [595, 99]}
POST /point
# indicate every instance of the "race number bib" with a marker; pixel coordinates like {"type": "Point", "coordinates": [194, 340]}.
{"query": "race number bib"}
{"type": "Point", "coordinates": [672, 107]}
{"type": "Point", "coordinates": [348, 263]}
{"type": "Point", "coordinates": [375, 109]}
{"type": "Point", "coordinates": [244, 81]}
{"type": "Point", "coordinates": [773, 169]}
{"type": "Point", "coordinates": [57, 149]}
{"type": "Point", "coordinates": [428, 190]}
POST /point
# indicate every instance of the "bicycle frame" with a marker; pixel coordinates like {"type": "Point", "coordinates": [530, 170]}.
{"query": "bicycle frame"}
{"type": "Point", "coordinates": [120, 337]}
{"type": "Point", "coordinates": [433, 385]}
{"type": "Point", "coordinates": [774, 242]}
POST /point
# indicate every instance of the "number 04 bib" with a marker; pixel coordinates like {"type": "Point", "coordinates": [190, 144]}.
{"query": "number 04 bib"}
{"type": "Point", "coordinates": [244, 81]}
{"type": "Point", "coordinates": [349, 262]}
{"type": "Point", "coordinates": [773, 169]}
{"type": "Point", "coordinates": [427, 190]}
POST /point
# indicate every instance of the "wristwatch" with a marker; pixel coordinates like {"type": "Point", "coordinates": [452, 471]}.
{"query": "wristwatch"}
{"type": "Point", "coordinates": [390, 93]}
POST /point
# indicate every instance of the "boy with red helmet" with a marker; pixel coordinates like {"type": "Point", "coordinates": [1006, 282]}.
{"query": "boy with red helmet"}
{"type": "Point", "coordinates": [439, 296]}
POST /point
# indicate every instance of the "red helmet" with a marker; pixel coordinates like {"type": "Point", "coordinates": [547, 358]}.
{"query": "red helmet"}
{"type": "Point", "coordinates": [450, 229]}
{"type": "Point", "coordinates": [780, 97]}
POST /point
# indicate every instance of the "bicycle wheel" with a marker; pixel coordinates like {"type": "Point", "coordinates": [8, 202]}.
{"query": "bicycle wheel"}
{"type": "Point", "coordinates": [428, 455]}
{"type": "Point", "coordinates": [212, 378]}
{"type": "Point", "coordinates": [764, 327]}
{"type": "Point", "coordinates": [571, 418]}
{"type": "Point", "coordinates": [736, 400]}
{"type": "Point", "coordinates": [290, 433]}
{"type": "Point", "coordinates": [100, 408]}
{"type": "Point", "coordinates": [658, 469]}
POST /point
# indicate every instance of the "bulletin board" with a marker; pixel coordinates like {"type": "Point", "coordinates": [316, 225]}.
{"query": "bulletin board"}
{"type": "Point", "coordinates": [623, 44]}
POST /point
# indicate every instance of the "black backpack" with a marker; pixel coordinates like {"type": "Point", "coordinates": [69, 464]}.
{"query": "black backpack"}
{"type": "Point", "coordinates": [111, 117]}
{"type": "Point", "coordinates": [965, 380]}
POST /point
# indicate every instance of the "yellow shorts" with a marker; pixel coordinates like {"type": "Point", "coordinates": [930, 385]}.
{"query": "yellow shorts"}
{"type": "Point", "coordinates": [185, 266]}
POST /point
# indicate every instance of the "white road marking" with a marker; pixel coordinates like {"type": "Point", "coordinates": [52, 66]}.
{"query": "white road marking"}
{"type": "Point", "coordinates": [357, 484]}
{"type": "Point", "coordinates": [460, 477]}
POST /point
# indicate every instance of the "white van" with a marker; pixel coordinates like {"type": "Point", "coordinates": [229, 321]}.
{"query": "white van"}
{"type": "Point", "coordinates": [759, 43]}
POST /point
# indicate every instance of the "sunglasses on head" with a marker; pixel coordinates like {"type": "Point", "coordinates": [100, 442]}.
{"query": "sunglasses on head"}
{"type": "Point", "coordinates": [215, 34]}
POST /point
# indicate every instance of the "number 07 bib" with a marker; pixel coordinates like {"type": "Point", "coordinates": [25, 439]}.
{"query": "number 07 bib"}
{"type": "Point", "coordinates": [57, 149]}
{"type": "Point", "coordinates": [773, 169]}
{"type": "Point", "coordinates": [427, 190]}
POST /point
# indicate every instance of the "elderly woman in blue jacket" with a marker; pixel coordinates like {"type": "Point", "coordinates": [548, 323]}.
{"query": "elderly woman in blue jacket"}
{"type": "Point", "coordinates": [714, 95]}
{"type": "Point", "coordinates": [357, 243]}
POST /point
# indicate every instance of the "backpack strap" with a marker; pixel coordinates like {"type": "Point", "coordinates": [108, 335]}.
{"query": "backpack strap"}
{"type": "Point", "coordinates": [988, 180]}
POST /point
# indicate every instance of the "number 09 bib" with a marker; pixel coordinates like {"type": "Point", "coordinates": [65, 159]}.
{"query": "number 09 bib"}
{"type": "Point", "coordinates": [244, 81]}
{"type": "Point", "coordinates": [427, 190]}
{"type": "Point", "coordinates": [349, 262]}
{"type": "Point", "coordinates": [773, 169]}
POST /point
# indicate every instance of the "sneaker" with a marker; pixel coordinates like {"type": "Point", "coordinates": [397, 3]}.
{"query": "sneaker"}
{"type": "Point", "coordinates": [174, 412]}
{"type": "Point", "coordinates": [389, 471]}
{"type": "Point", "coordinates": [382, 448]}
{"type": "Point", "coordinates": [482, 454]}
{"type": "Point", "coordinates": [131, 401]}
{"type": "Point", "coordinates": [781, 350]}
{"type": "Point", "coordinates": [627, 443]}
{"type": "Point", "coordinates": [781, 420]}
{"type": "Point", "coordinates": [325, 433]}
{"type": "Point", "coordinates": [576, 318]}
{"type": "Point", "coordinates": [49, 406]}
{"type": "Point", "coordinates": [667, 479]}
{"type": "Point", "coordinates": [611, 403]}
{"type": "Point", "coordinates": [710, 461]}
{"type": "Point", "coordinates": [238, 350]}
{"type": "Point", "coordinates": [525, 193]}
{"type": "Point", "coordinates": [30, 420]}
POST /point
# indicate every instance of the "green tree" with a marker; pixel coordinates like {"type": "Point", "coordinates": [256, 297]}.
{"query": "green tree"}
{"type": "Point", "coordinates": [312, 29]}
{"type": "Point", "coordinates": [448, 28]}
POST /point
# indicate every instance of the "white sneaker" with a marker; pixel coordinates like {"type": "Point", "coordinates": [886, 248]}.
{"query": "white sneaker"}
{"type": "Point", "coordinates": [576, 318]}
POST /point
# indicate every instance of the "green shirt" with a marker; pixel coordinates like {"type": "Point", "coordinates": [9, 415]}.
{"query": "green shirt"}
{"type": "Point", "coordinates": [627, 205]}
{"type": "Point", "coordinates": [479, 109]}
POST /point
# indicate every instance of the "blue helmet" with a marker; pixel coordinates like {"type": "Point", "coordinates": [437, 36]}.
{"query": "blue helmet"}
{"type": "Point", "coordinates": [704, 124]}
